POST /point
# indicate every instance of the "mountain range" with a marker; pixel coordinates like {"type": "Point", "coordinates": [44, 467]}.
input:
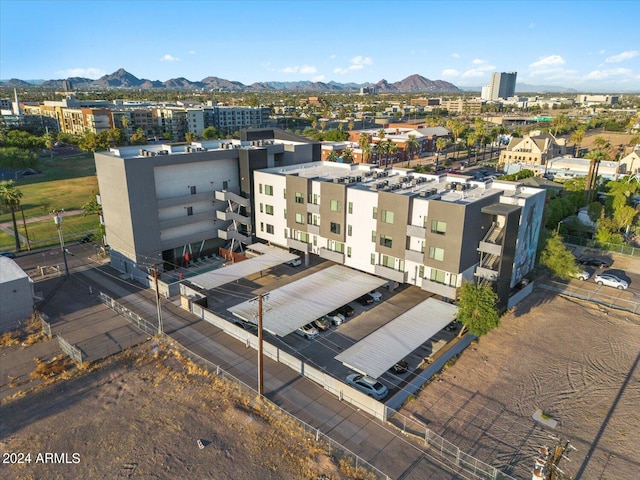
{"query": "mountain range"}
{"type": "Point", "coordinates": [124, 80]}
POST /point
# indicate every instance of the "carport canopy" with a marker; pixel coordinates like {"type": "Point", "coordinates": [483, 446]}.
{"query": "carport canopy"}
{"type": "Point", "coordinates": [269, 258]}
{"type": "Point", "coordinates": [382, 349]}
{"type": "Point", "coordinates": [288, 308]}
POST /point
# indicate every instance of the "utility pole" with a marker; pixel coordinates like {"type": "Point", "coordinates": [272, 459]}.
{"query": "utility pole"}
{"type": "Point", "coordinates": [260, 297]}
{"type": "Point", "coordinates": [546, 467]}
{"type": "Point", "coordinates": [158, 305]}
{"type": "Point", "coordinates": [57, 219]}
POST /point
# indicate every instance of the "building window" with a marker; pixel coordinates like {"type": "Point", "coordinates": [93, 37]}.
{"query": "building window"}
{"type": "Point", "coordinates": [260, 188]}
{"type": "Point", "coordinates": [438, 227]}
{"type": "Point", "coordinates": [316, 198]}
{"type": "Point", "coordinates": [335, 228]}
{"type": "Point", "coordinates": [438, 276]}
{"type": "Point", "coordinates": [421, 271]}
{"type": "Point", "coordinates": [284, 192]}
{"type": "Point", "coordinates": [193, 190]}
{"type": "Point", "coordinates": [373, 259]}
{"type": "Point", "coordinates": [268, 209]}
{"type": "Point", "coordinates": [373, 236]}
{"type": "Point", "coordinates": [261, 208]}
{"type": "Point", "coordinates": [349, 252]}
{"type": "Point", "coordinates": [270, 229]}
{"type": "Point", "coordinates": [268, 190]}
{"type": "Point", "coordinates": [436, 253]}
{"type": "Point", "coordinates": [189, 211]}
{"type": "Point", "coordinates": [286, 233]}
{"type": "Point", "coordinates": [262, 226]}
{"type": "Point", "coordinates": [386, 241]}
{"type": "Point", "coordinates": [375, 212]}
{"type": "Point", "coordinates": [315, 220]}
{"type": "Point", "coordinates": [349, 230]}
{"type": "Point", "coordinates": [225, 184]}
{"type": "Point", "coordinates": [299, 197]}
{"type": "Point", "coordinates": [389, 262]}
{"type": "Point", "coordinates": [300, 218]}
{"type": "Point", "coordinates": [285, 213]}
{"type": "Point", "coordinates": [336, 205]}
{"type": "Point", "coordinates": [315, 241]}
{"type": "Point", "coordinates": [350, 207]}
{"type": "Point", "coordinates": [386, 216]}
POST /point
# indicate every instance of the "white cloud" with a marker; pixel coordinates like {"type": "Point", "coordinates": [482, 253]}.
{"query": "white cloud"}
{"type": "Point", "coordinates": [192, 52]}
{"type": "Point", "coordinates": [357, 63]}
{"type": "Point", "coordinates": [455, 55]}
{"type": "Point", "coordinates": [478, 61]}
{"type": "Point", "coordinates": [90, 72]}
{"type": "Point", "coordinates": [602, 52]}
{"type": "Point", "coordinates": [474, 72]}
{"type": "Point", "coordinates": [169, 58]}
{"type": "Point", "coordinates": [603, 74]}
{"type": "Point", "coordinates": [450, 72]}
{"type": "Point", "coordinates": [621, 57]}
{"type": "Point", "coordinates": [548, 61]}
{"type": "Point", "coordinates": [304, 69]}
{"type": "Point", "coordinates": [332, 56]}
{"type": "Point", "coordinates": [318, 78]}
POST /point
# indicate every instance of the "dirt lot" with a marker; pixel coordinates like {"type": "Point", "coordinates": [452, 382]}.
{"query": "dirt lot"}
{"type": "Point", "coordinates": [575, 361]}
{"type": "Point", "coordinates": [140, 415]}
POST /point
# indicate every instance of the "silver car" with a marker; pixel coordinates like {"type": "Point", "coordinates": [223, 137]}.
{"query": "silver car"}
{"type": "Point", "coordinates": [308, 331]}
{"type": "Point", "coordinates": [611, 280]}
{"type": "Point", "coordinates": [368, 385]}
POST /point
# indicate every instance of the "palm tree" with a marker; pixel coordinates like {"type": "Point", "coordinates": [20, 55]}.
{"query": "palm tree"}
{"type": "Point", "coordinates": [493, 135]}
{"type": "Point", "coordinates": [471, 141]}
{"type": "Point", "coordinates": [456, 128]}
{"type": "Point", "coordinates": [577, 137]}
{"type": "Point", "coordinates": [393, 150]}
{"type": "Point", "coordinates": [481, 131]}
{"type": "Point", "coordinates": [10, 198]}
{"type": "Point", "coordinates": [333, 156]}
{"type": "Point", "coordinates": [412, 146]}
{"type": "Point", "coordinates": [347, 155]}
{"type": "Point", "coordinates": [441, 144]}
{"type": "Point", "coordinates": [382, 147]}
{"type": "Point", "coordinates": [351, 125]}
{"type": "Point", "coordinates": [365, 146]}
{"type": "Point", "coordinates": [125, 126]}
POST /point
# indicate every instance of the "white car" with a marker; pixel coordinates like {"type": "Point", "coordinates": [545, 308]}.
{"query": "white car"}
{"type": "Point", "coordinates": [377, 296]}
{"type": "Point", "coordinates": [610, 280]}
{"type": "Point", "coordinates": [335, 318]}
{"type": "Point", "coordinates": [368, 385]}
{"type": "Point", "coordinates": [581, 275]}
{"type": "Point", "coordinates": [296, 262]}
{"type": "Point", "coordinates": [308, 331]}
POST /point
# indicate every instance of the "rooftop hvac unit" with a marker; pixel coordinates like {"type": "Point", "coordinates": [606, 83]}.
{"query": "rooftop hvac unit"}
{"type": "Point", "coordinates": [336, 180]}
{"type": "Point", "coordinates": [423, 193]}
{"type": "Point", "coordinates": [163, 152]}
{"type": "Point", "coordinates": [142, 152]}
{"type": "Point", "coordinates": [460, 187]}
{"type": "Point", "coordinates": [374, 186]}
{"type": "Point", "coordinates": [448, 186]}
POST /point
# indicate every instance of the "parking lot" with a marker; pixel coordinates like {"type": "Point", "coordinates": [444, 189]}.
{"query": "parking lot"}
{"type": "Point", "coordinates": [320, 351]}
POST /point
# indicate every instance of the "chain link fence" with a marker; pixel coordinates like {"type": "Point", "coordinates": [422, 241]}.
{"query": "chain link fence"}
{"type": "Point", "coordinates": [144, 325]}
{"type": "Point", "coordinates": [610, 247]}
{"type": "Point", "coordinates": [72, 351]}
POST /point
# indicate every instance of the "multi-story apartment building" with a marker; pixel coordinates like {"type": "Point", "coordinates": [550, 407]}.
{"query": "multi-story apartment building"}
{"type": "Point", "coordinates": [162, 201]}
{"type": "Point", "coordinates": [227, 119]}
{"type": "Point", "coordinates": [533, 149]}
{"type": "Point", "coordinates": [431, 231]}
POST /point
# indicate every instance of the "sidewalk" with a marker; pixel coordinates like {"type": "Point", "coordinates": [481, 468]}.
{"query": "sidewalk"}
{"type": "Point", "coordinates": [9, 224]}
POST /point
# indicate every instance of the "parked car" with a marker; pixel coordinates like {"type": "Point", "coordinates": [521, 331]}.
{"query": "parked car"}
{"type": "Point", "coordinates": [308, 331]}
{"type": "Point", "coordinates": [582, 274]}
{"type": "Point", "coordinates": [365, 299]}
{"type": "Point", "coordinates": [346, 310]}
{"type": "Point", "coordinates": [401, 367]}
{"type": "Point", "coordinates": [594, 262]}
{"type": "Point", "coordinates": [377, 296]}
{"type": "Point", "coordinates": [322, 324]}
{"type": "Point", "coordinates": [8, 254]}
{"type": "Point", "coordinates": [296, 262]}
{"type": "Point", "coordinates": [611, 280]}
{"type": "Point", "coordinates": [368, 385]}
{"type": "Point", "coordinates": [335, 318]}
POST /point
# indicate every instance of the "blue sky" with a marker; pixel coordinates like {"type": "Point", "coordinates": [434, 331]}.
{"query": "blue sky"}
{"type": "Point", "coordinates": [587, 45]}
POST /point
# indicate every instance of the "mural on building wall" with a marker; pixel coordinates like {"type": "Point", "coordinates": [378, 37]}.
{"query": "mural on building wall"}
{"type": "Point", "coordinates": [528, 235]}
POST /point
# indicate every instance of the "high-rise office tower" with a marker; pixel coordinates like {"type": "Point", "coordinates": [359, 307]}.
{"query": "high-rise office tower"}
{"type": "Point", "coordinates": [503, 85]}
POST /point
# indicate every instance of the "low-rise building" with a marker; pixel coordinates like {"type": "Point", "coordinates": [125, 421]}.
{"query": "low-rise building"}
{"type": "Point", "coordinates": [16, 295]}
{"type": "Point", "coordinates": [432, 231]}
{"type": "Point", "coordinates": [535, 149]}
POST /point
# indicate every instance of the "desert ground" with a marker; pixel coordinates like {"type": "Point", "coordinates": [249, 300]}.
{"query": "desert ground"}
{"type": "Point", "coordinates": [575, 361]}
{"type": "Point", "coordinates": [141, 413]}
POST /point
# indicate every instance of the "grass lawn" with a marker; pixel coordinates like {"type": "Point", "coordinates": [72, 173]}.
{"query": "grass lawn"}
{"type": "Point", "coordinates": [45, 233]}
{"type": "Point", "coordinates": [67, 183]}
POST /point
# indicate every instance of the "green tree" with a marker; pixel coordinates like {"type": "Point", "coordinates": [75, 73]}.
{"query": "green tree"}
{"type": "Point", "coordinates": [18, 158]}
{"type": "Point", "coordinates": [210, 133]}
{"type": "Point", "coordinates": [333, 156]}
{"type": "Point", "coordinates": [92, 207]}
{"type": "Point", "coordinates": [138, 137]}
{"type": "Point", "coordinates": [365, 145]}
{"type": "Point", "coordinates": [10, 198]}
{"type": "Point", "coordinates": [412, 146]}
{"type": "Point", "coordinates": [577, 137]}
{"type": "Point", "coordinates": [441, 144]}
{"type": "Point", "coordinates": [347, 155]}
{"type": "Point", "coordinates": [477, 308]}
{"type": "Point", "coordinates": [190, 137]}
{"type": "Point", "coordinates": [595, 211]}
{"type": "Point", "coordinates": [557, 258]}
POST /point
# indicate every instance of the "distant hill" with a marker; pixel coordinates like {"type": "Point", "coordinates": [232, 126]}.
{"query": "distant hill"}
{"type": "Point", "coordinates": [123, 79]}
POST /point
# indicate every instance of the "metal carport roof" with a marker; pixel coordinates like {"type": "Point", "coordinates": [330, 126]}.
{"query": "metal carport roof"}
{"type": "Point", "coordinates": [289, 307]}
{"type": "Point", "coordinates": [270, 258]}
{"type": "Point", "coordinates": [379, 351]}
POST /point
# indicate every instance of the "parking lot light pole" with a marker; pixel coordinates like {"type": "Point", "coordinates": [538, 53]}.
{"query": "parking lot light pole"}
{"type": "Point", "coordinates": [260, 341]}
{"type": "Point", "coordinates": [57, 219]}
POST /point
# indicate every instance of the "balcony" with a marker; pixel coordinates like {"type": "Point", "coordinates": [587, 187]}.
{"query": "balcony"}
{"type": "Point", "coordinates": [486, 273]}
{"type": "Point", "coordinates": [395, 275]}
{"type": "Point", "coordinates": [490, 248]}
{"type": "Point", "coordinates": [335, 257]}
{"type": "Point", "coordinates": [226, 195]}
{"type": "Point", "coordinates": [234, 235]}
{"type": "Point", "coordinates": [415, 231]}
{"type": "Point", "coordinates": [298, 245]}
{"type": "Point", "coordinates": [313, 208]}
{"type": "Point", "coordinates": [313, 229]}
{"type": "Point", "coordinates": [438, 288]}
{"type": "Point", "coordinates": [233, 217]}
{"type": "Point", "coordinates": [184, 200]}
{"type": "Point", "coordinates": [414, 256]}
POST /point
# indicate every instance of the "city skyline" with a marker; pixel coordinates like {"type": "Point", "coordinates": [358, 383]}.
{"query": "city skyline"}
{"type": "Point", "coordinates": [460, 42]}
